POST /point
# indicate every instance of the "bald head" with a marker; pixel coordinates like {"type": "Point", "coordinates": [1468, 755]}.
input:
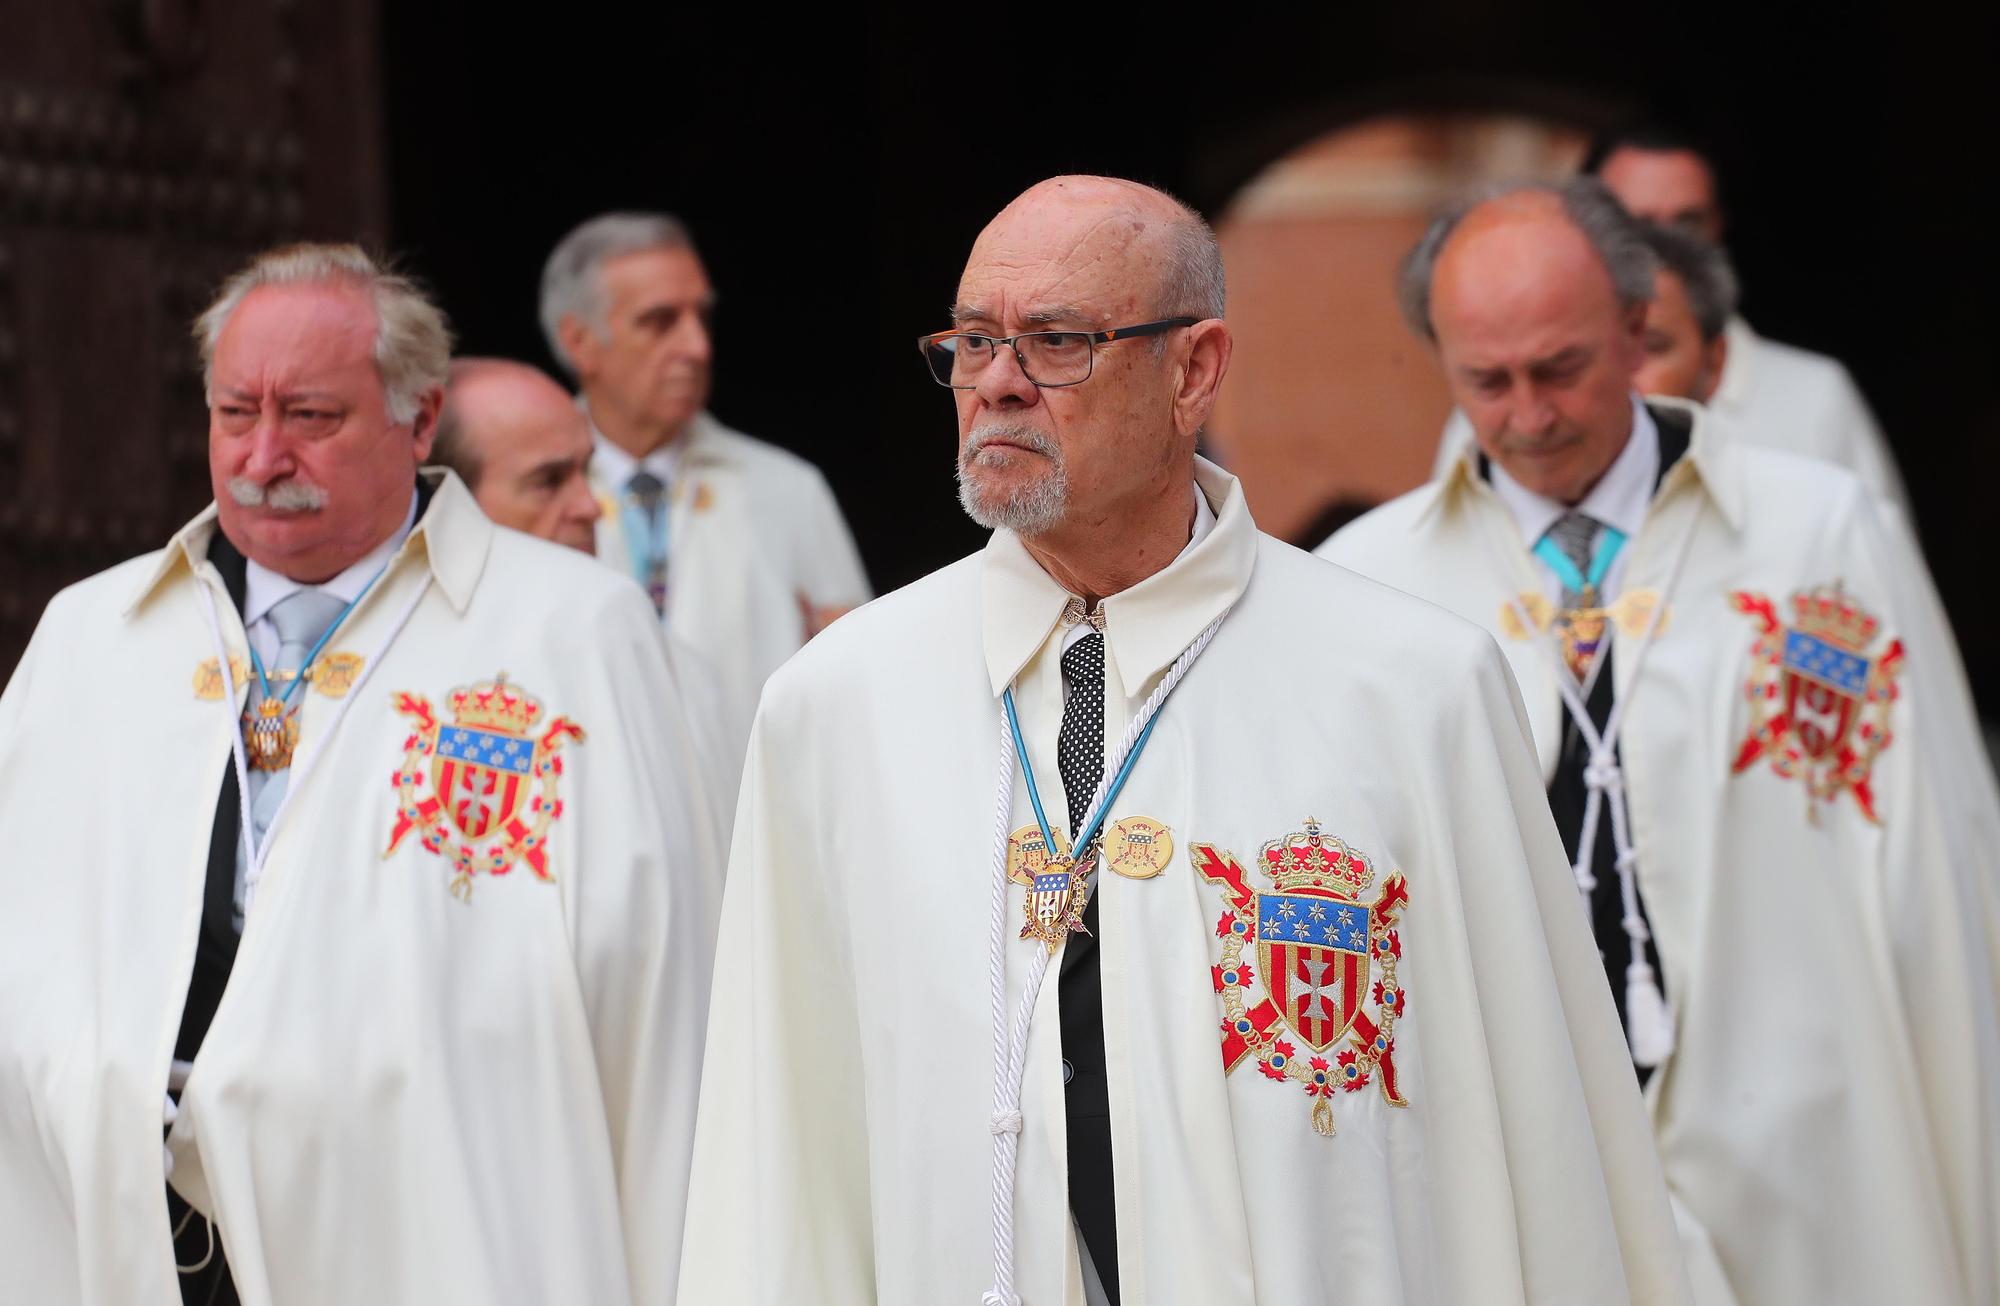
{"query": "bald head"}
{"type": "Point", "coordinates": [1535, 298]}
{"type": "Point", "coordinates": [1160, 252]}
{"type": "Point", "coordinates": [520, 443]}
{"type": "Point", "coordinates": [1071, 441]}
{"type": "Point", "coordinates": [1514, 260]}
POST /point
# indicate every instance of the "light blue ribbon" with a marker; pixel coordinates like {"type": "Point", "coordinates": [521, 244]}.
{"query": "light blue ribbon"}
{"type": "Point", "coordinates": [1609, 540]}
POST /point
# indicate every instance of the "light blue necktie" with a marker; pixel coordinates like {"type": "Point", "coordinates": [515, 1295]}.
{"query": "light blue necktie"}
{"type": "Point", "coordinates": [646, 532]}
{"type": "Point", "coordinates": [299, 620]}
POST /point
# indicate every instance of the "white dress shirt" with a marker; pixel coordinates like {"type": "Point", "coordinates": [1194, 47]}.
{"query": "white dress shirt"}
{"type": "Point", "coordinates": [617, 467]}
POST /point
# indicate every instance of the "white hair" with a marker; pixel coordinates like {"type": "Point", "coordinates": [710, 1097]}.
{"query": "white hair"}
{"type": "Point", "coordinates": [573, 278]}
{"type": "Point", "coordinates": [1194, 285]}
{"type": "Point", "coordinates": [412, 337]}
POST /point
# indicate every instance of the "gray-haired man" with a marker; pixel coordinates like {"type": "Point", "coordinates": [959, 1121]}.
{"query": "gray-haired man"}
{"type": "Point", "coordinates": [343, 898]}
{"type": "Point", "coordinates": [1738, 724]}
{"type": "Point", "coordinates": [740, 544]}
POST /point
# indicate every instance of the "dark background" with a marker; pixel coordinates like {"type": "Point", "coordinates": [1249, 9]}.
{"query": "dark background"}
{"type": "Point", "coordinates": [836, 167]}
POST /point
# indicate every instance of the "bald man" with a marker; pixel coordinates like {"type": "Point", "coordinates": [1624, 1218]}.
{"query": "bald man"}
{"type": "Point", "coordinates": [1736, 727]}
{"type": "Point", "coordinates": [522, 447]}
{"type": "Point", "coordinates": [1773, 395]}
{"type": "Point", "coordinates": [1139, 910]}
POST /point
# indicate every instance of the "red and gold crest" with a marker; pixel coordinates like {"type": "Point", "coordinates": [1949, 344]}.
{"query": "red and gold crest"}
{"type": "Point", "coordinates": [1819, 699]}
{"type": "Point", "coordinates": [480, 815]}
{"type": "Point", "coordinates": [1317, 941]}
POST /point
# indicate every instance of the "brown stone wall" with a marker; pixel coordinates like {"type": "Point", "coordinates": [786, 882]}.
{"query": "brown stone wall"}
{"type": "Point", "coordinates": [146, 146]}
{"type": "Point", "coordinates": [1330, 396]}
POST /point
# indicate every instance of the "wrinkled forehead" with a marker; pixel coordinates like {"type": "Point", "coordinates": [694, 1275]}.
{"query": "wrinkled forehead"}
{"type": "Point", "coordinates": [1094, 261]}
{"type": "Point", "coordinates": [291, 330]}
{"type": "Point", "coordinates": [1515, 275]}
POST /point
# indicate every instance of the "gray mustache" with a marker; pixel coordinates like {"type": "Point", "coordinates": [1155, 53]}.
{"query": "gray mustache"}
{"type": "Point", "coordinates": [280, 496]}
{"type": "Point", "coordinates": [1026, 437]}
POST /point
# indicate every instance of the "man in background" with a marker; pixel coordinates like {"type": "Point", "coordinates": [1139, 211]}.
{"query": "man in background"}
{"type": "Point", "coordinates": [1686, 344]}
{"type": "Point", "coordinates": [523, 448]}
{"type": "Point", "coordinates": [1736, 721]}
{"type": "Point", "coordinates": [518, 442]}
{"type": "Point", "coordinates": [1779, 395]}
{"type": "Point", "coordinates": [739, 544]}
{"type": "Point", "coordinates": [1771, 394]}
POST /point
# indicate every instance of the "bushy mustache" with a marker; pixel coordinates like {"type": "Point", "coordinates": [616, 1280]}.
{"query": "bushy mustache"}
{"type": "Point", "coordinates": [279, 496]}
{"type": "Point", "coordinates": [1013, 433]}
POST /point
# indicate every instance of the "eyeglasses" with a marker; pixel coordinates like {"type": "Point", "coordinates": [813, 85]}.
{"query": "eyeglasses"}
{"type": "Point", "coordinates": [1049, 359]}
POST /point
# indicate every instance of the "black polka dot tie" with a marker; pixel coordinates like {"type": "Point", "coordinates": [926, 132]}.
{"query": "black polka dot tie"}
{"type": "Point", "coordinates": [1093, 1194]}
{"type": "Point", "coordinates": [1080, 745]}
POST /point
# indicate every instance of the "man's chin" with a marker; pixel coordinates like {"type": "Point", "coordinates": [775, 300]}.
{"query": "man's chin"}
{"type": "Point", "coordinates": [675, 410]}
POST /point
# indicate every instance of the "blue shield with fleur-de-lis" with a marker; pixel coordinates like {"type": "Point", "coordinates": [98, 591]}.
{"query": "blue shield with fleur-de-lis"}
{"type": "Point", "coordinates": [480, 775]}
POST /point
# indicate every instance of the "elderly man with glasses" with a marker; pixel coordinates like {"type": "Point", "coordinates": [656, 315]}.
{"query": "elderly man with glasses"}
{"type": "Point", "coordinates": [1140, 909]}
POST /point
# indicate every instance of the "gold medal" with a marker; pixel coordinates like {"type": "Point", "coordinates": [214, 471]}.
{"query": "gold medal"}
{"type": "Point", "coordinates": [1027, 854]}
{"type": "Point", "coordinates": [1582, 631]}
{"type": "Point", "coordinates": [335, 674]}
{"type": "Point", "coordinates": [1629, 612]}
{"type": "Point", "coordinates": [269, 735]}
{"type": "Point", "coordinates": [1539, 610]}
{"type": "Point", "coordinates": [1055, 902]}
{"type": "Point", "coordinates": [1633, 610]}
{"type": "Point", "coordinates": [208, 677]}
{"type": "Point", "coordinates": [1138, 847]}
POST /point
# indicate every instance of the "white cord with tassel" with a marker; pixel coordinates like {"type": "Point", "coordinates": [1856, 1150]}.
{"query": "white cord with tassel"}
{"type": "Point", "coordinates": [1011, 1038]}
{"type": "Point", "coordinates": [1649, 1020]}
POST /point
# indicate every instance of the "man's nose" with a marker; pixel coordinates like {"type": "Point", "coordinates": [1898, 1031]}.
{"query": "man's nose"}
{"type": "Point", "coordinates": [692, 339]}
{"type": "Point", "coordinates": [270, 456]}
{"type": "Point", "coordinates": [583, 505]}
{"type": "Point", "coordinates": [1004, 383]}
{"type": "Point", "coordinates": [1532, 413]}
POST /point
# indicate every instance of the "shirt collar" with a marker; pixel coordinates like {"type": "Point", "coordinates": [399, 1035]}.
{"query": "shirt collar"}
{"type": "Point", "coordinates": [612, 467]}
{"type": "Point", "coordinates": [453, 535]}
{"type": "Point", "coordinates": [1145, 627]}
{"type": "Point", "coordinates": [1713, 463]}
{"type": "Point", "coordinates": [1619, 499]}
{"type": "Point", "coordinates": [264, 589]}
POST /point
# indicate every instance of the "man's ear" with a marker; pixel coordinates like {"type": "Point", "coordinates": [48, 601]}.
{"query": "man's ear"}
{"type": "Point", "coordinates": [1632, 340]}
{"type": "Point", "coordinates": [1199, 375]}
{"type": "Point", "coordinates": [579, 344]}
{"type": "Point", "coordinates": [424, 426]}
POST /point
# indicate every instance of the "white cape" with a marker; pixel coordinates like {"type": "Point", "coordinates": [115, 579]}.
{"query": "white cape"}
{"type": "Point", "coordinates": [751, 529]}
{"type": "Point", "coordinates": [1830, 973]}
{"type": "Point", "coordinates": [408, 1094]}
{"type": "Point", "coordinates": [845, 1150]}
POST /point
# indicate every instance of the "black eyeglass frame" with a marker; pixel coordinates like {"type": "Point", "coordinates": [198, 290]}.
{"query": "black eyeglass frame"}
{"type": "Point", "coordinates": [1094, 338]}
